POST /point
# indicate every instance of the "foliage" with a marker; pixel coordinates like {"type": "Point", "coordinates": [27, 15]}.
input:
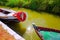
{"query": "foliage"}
{"type": "Point", "coordinates": [3, 2]}
{"type": "Point", "coordinates": [39, 5]}
{"type": "Point", "coordinates": [14, 3]}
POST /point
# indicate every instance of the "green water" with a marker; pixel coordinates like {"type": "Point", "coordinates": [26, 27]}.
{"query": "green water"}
{"type": "Point", "coordinates": [38, 18]}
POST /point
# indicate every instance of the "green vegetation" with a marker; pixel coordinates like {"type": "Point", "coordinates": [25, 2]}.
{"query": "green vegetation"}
{"type": "Point", "coordinates": [51, 6]}
{"type": "Point", "coordinates": [14, 3]}
{"type": "Point", "coordinates": [3, 2]}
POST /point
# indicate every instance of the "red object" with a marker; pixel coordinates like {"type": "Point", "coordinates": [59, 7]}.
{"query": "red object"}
{"type": "Point", "coordinates": [21, 16]}
{"type": "Point", "coordinates": [1, 10]}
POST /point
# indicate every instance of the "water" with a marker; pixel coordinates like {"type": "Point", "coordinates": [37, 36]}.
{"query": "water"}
{"type": "Point", "coordinates": [39, 18]}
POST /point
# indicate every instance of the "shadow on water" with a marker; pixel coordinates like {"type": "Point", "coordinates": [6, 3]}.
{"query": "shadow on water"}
{"type": "Point", "coordinates": [12, 25]}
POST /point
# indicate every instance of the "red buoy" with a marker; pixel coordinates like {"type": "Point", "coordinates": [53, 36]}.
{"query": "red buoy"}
{"type": "Point", "coordinates": [21, 16]}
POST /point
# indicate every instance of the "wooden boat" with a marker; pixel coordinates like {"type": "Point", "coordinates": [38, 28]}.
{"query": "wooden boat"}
{"type": "Point", "coordinates": [47, 33]}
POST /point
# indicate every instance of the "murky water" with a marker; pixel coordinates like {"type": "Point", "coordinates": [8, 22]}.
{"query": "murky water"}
{"type": "Point", "coordinates": [38, 18]}
{"type": "Point", "coordinates": [41, 19]}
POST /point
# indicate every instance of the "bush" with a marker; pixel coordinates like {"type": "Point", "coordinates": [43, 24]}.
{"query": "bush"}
{"type": "Point", "coordinates": [3, 2]}
{"type": "Point", "coordinates": [39, 5]}
{"type": "Point", "coordinates": [14, 3]}
{"type": "Point", "coordinates": [52, 6]}
{"type": "Point", "coordinates": [56, 8]}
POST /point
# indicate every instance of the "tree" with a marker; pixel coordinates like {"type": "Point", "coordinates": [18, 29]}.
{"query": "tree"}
{"type": "Point", "coordinates": [3, 2]}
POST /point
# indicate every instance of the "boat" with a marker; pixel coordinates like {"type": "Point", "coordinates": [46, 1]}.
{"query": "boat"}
{"type": "Point", "coordinates": [47, 33]}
